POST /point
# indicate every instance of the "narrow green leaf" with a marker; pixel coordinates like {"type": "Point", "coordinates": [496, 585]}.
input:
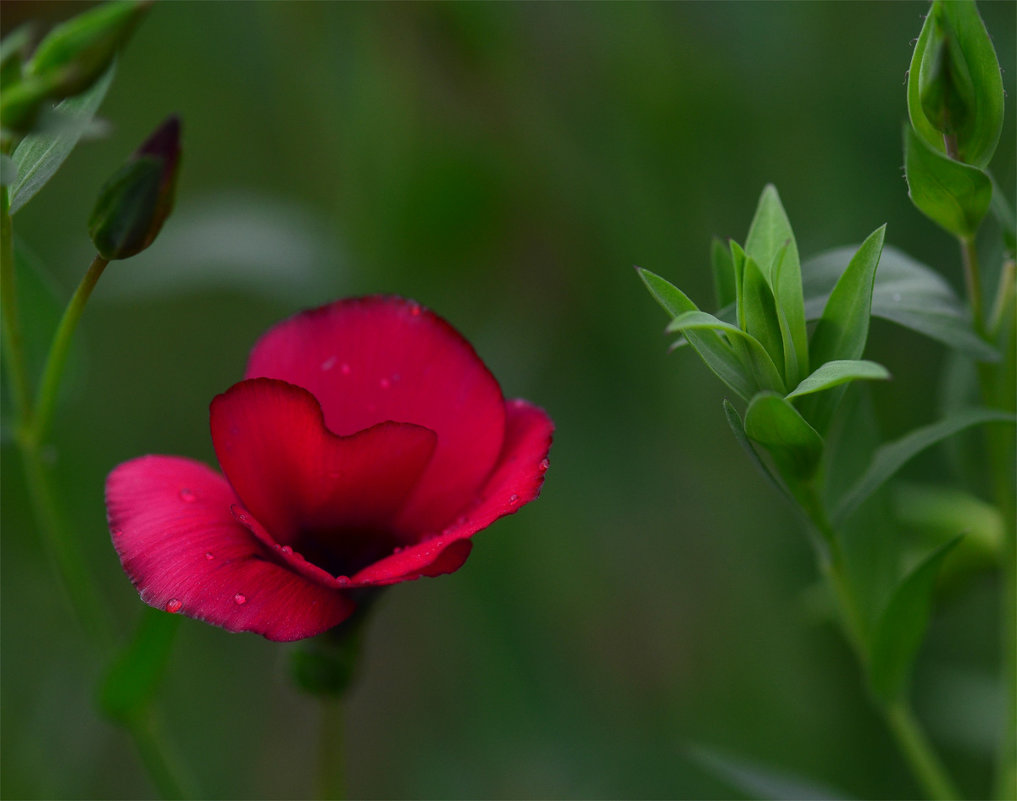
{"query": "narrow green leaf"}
{"type": "Point", "coordinates": [775, 424]}
{"type": "Point", "coordinates": [711, 347]}
{"type": "Point", "coordinates": [759, 312]}
{"type": "Point", "coordinates": [38, 156]}
{"type": "Point", "coordinates": [760, 781]}
{"type": "Point", "coordinates": [751, 353]}
{"type": "Point", "coordinates": [738, 259]}
{"type": "Point", "coordinates": [769, 233]}
{"type": "Point", "coordinates": [134, 676]}
{"type": "Point", "coordinates": [834, 373]}
{"type": "Point", "coordinates": [953, 195]}
{"type": "Point", "coordinates": [723, 273]}
{"type": "Point", "coordinates": [844, 327]}
{"type": "Point", "coordinates": [901, 627]}
{"type": "Point", "coordinates": [795, 363]}
{"type": "Point", "coordinates": [889, 458]}
{"type": "Point", "coordinates": [738, 429]}
{"type": "Point", "coordinates": [905, 292]}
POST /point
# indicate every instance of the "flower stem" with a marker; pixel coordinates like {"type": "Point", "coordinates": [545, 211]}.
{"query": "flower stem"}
{"type": "Point", "coordinates": [14, 348]}
{"type": "Point", "coordinates": [155, 754]}
{"type": "Point", "coordinates": [331, 773]}
{"type": "Point", "coordinates": [57, 357]}
{"type": "Point", "coordinates": [973, 283]}
{"type": "Point", "coordinates": [916, 749]}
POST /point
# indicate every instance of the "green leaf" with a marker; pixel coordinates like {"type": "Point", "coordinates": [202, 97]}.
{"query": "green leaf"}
{"type": "Point", "coordinates": [901, 627]}
{"type": "Point", "coordinates": [723, 273]}
{"type": "Point", "coordinates": [953, 195]}
{"type": "Point", "coordinates": [954, 83]}
{"type": "Point", "coordinates": [905, 292]}
{"type": "Point", "coordinates": [735, 421]}
{"type": "Point", "coordinates": [38, 156]}
{"type": "Point", "coordinates": [135, 675]}
{"type": "Point", "coordinates": [758, 312]}
{"type": "Point", "coordinates": [769, 233]}
{"type": "Point", "coordinates": [712, 349]}
{"type": "Point", "coordinates": [844, 327]}
{"type": "Point", "coordinates": [760, 781]}
{"type": "Point", "coordinates": [751, 354]}
{"type": "Point", "coordinates": [1005, 217]}
{"type": "Point", "coordinates": [839, 372]}
{"type": "Point", "coordinates": [795, 446]}
{"type": "Point", "coordinates": [889, 458]}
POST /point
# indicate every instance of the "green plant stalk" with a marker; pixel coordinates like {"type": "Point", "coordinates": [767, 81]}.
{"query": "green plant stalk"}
{"type": "Point", "coordinates": [914, 745]}
{"type": "Point", "coordinates": [331, 773]}
{"type": "Point", "coordinates": [57, 357]}
{"type": "Point", "coordinates": [907, 731]}
{"type": "Point", "coordinates": [14, 349]}
{"type": "Point", "coordinates": [154, 753]}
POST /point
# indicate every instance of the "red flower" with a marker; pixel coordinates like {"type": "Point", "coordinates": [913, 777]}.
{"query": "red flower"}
{"type": "Point", "coordinates": [365, 446]}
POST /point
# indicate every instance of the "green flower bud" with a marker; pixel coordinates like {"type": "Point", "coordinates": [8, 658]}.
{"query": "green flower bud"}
{"type": "Point", "coordinates": [135, 202]}
{"type": "Point", "coordinates": [944, 81]}
{"type": "Point", "coordinates": [74, 54]}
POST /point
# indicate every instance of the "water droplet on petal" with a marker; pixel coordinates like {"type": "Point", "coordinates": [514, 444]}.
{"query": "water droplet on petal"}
{"type": "Point", "coordinates": [384, 383]}
{"type": "Point", "coordinates": [238, 513]}
{"type": "Point", "coordinates": [286, 549]}
{"type": "Point", "coordinates": [513, 499]}
{"type": "Point", "coordinates": [344, 369]}
{"type": "Point", "coordinates": [116, 532]}
{"type": "Point", "coordinates": [209, 555]}
{"type": "Point", "coordinates": [173, 606]}
{"type": "Point", "coordinates": [544, 464]}
{"type": "Point", "coordinates": [329, 363]}
{"type": "Point", "coordinates": [240, 599]}
{"type": "Point", "coordinates": [342, 579]}
{"type": "Point", "coordinates": [187, 496]}
{"type": "Point", "coordinates": [415, 310]}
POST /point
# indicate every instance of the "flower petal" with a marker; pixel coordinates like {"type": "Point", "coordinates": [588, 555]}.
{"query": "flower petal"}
{"type": "Point", "coordinates": [336, 497]}
{"type": "Point", "coordinates": [515, 481]}
{"type": "Point", "coordinates": [374, 359]}
{"type": "Point", "coordinates": [183, 549]}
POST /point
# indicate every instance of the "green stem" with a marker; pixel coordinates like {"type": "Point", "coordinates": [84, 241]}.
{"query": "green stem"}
{"type": "Point", "coordinates": [57, 357]}
{"type": "Point", "coordinates": [973, 283]}
{"type": "Point", "coordinates": [14, 347]}
{"type": "Point", "coordinates": [63, 549]}
{"type": "Point", "coordinates": [331, 773]}
{"type": "Point", "coordinates": [155, 754]}
{"type": "Point", "coordinates": [916, 749]}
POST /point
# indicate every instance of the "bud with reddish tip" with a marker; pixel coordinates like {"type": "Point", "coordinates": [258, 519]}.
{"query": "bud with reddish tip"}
{"type": "Point", "coordinates": [135, 202]}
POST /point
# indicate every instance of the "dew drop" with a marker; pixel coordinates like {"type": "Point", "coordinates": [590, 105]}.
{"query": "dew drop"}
{"type": "Point", "coordinates": [209, 555]}
{"type": "Point", "coordinates": [329, 363]}
{"type": "Point", "coordinates": [384, 383]}
{"type": "Point", "coordinates": [415, 310]}
{"type": "Point", "coordinates": [116, 532]}
{"type": "Point", "coordinates": [544, 464]}
{"type": "Point", "coordinates": [342, 579]}
{"type": "Point", "coordinates": [344, 369]}
{"type": "Point", "coordinates": [238, 513]}
{"type": "Point", "coordinates": [173, 606]}
{"type": "Point", "coordinates": [187, 496]}
{"type": "Point", "coordinates": [239, 599]}
{"type": "Point", "coordinates": [286, 549]}
{"type": "Point", "coordinates": [513, 499]}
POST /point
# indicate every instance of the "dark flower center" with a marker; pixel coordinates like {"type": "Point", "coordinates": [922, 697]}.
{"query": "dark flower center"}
{"type": "Point", "coordinates": [345, 551]}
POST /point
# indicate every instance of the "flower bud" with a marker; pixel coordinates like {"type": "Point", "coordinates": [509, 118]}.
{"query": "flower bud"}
{"type": "Point", "coordinates": [944, 82]}
{"type": "Point", "coordinates": [136, 201]}
{"type": "Point", "coordinates": [74, 54]}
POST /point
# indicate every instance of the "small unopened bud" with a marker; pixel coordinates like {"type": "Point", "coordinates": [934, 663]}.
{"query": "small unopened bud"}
{"type": "Point", "coordinates": [74, 54]}
{"type": "Point", "coordinates": [944, 81]}
{"type": "Point", "coordinates": [135, 202]}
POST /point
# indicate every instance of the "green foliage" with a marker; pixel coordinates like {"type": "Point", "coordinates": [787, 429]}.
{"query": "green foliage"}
{"type": "Point", "coordinates": [74, 54]}
{"type": "Point", "coordinates": [769, 234]}
{"type": "Point", "coordinates": [901, 627]}
{"type": "Point", "coordinates": [905, 292]}
{"type": "Point", "coordinates": [953, 195]}
{"type": "Point", "coordinates": [734, 420]}
{"type": "Point", "coordinates": [135, 675]}
{"type": "Point", "coordinates": [891, 457]}
{"type": "Point", "coordinates": [838, 372]}
{"type": "Point", "coordinates": [954, 83]}
{"type": "Point", "coordinates": [795, 446]}
{"type": "Point", "coordinates": [723, 273]}
{"type": "Point", "coordinates": [38, 156]}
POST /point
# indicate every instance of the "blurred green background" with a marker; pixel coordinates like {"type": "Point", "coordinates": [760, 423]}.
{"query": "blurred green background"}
{"type": "Point", "coordinates": [505, 164]}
